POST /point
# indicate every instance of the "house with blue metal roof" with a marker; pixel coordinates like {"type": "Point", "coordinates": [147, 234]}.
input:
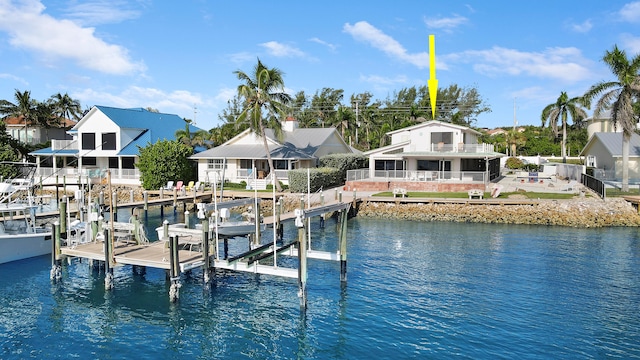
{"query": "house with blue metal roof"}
{"type": "Point", "coordinates": [107, 138]}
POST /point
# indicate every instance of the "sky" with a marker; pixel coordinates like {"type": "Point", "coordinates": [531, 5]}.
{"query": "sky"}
{"type": "Point", "coordinates": [180, 56]}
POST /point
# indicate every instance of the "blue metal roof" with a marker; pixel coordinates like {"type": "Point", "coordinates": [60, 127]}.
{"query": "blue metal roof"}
{"type": "Point", "coordinates": [48, 151]}
{"type": "Point", "coordinates": [160, 125]}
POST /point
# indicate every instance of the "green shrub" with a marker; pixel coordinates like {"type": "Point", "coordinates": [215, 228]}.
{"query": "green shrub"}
{"type": "Point", "coordinates": [514, 163]}
{"type": "Point", "coordinates": [318, 178]}
{"type": "Point", "coordinates": [344, 162]}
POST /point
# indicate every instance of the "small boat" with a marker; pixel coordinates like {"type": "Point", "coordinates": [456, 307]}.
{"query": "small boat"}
{"type": "Point", "coordinates": [225, 227]}
{"type": "Point", "coordinates": [20, 237]}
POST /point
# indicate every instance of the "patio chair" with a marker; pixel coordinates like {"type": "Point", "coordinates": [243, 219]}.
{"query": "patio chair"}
{"type": "Point", "coordinates": [169, 185]}
{"type": "Point", "coordinates": [190, 186]}
{"type": "Point", "coordinates": [179, 185]}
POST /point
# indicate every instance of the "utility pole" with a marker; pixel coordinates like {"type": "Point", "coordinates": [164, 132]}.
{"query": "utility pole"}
{"type": "Point", "coordinates": [195, 111]}
{"type": "Point", "coordinates": [357, 122]}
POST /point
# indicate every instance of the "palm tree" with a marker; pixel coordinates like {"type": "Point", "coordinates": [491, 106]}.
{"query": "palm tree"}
{"type": "Point", "coordinates": [263, 89]}
{"type": "Point", "coordinates": [561, 109]}
{"type": "Point", "coordinates": [24, 107]}
{"type": "Point", "coordinates": [618, 96]}
{"type": "Point", "coordinates": [516, 139]}
{"type": "Point", "coordinates": [64, 107]}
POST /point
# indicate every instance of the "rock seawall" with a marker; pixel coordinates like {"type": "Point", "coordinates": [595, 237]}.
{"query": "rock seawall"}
{"type": "Point", "coordinates": [585, 212]}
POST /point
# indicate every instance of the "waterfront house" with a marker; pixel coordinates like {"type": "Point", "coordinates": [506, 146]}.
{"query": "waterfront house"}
{"type": "Point", "coordinates": [31, 133]}
{"type": "Point", "coordinates": [236, 159]}
{"type": "Point", "coordinates": [431, 156]}
{"type": "Point", "coordinates": [603, 153]}
{"type": "Point", "coordinates": [107, 138]}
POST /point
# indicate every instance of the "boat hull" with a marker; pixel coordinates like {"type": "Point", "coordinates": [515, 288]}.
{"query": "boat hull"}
{"type": "Point", "coordinates": [24, 246]}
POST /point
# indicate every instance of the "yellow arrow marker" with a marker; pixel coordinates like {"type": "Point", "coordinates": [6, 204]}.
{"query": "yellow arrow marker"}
{"type": "Point", "coordinates": [432, 82]}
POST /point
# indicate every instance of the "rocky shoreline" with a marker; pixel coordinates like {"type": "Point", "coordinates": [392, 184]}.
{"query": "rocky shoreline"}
{"type": "Point", "coordinates": [583, 212]}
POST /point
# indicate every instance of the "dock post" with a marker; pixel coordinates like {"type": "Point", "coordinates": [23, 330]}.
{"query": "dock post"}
{"type": "Point", "coordinates": [57, 192]}
{"type": "Point", "coordinates": [136, 229]}
{"type": "Point", "coordinates": [63, 217]}
{"type": "Point", "coordinates": [186, 218]}
{"type": "Point", "coordinates": [108, 269]}
{"type": "Point", "coordinates": [162, 192]}
{"type": "Point", "coordinates": [174, 263]}
{"type": "Point", "coordinates": [302, 257]}
{"type": "Point", "coordinates": [256, 214]}
{"type": "Point", "coordinates": [195, 197]}
{"type": "Point", "coordinates": [64, 184]}
{"type": "Point", "coordinates": [94, 219]}
{"type": "Point", "coordinates": [278, 224]}
{"type": "Point", "coordinates": [56, 268]}
{"type": "Point", "coordinates": [131, 195]}
{"type": "Point", "coordinates": [206, 271]}
{"type": "Point", "coordinates": [340, 196]}
{"type": "Point", "coordinates": [343, 245]}
{"type": "Point", "coordinates": [114, 207]}
{"type": "Point", "coordinates": [101, 198]}
{"type": "Point", "coordinates": [145, 197]}
{"type": "Point", "coordinates": [322, 215]}
{"type": "Point", "coordinates": [175, 199]}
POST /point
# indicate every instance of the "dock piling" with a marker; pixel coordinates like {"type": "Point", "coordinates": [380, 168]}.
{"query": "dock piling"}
{"type": "Point", "coordinates": [343, 245]}
{"type": "Point", "coordinates": [108, 258]}
{"type": "Point", "coordinates": [302, 257]}
{"type": "Point", "coordinates": [56, 268]}
{"type": "Point", "coordinates": [174, 261]}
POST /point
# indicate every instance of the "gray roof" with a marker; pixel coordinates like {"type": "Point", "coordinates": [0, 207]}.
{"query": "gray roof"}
{"type": "Point", "coordinates": [612, 141]}
{"type": "Point", "coordinates": [297, 144]}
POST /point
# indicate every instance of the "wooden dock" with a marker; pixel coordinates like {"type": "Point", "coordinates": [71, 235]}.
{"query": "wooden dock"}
{"type": "Point", "coordinates": [177, 256]}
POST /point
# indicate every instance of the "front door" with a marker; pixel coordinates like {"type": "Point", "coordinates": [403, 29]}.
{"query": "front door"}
{"type": "Point", "coordinates": [444, 167]}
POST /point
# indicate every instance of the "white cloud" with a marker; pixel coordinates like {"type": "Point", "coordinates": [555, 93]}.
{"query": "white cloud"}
{"type": "Point", "coordinates": [14, 78]}
{"type": "Point", "coordinates": [582, 28]}
{"type": "Point", "coordinates": [566, 64]}
{"type": "Point", "coordinates": [630, 12]}
{"type": "Point", "coordinates": [331, 47]}
{"type": "Point", "coordinates": [446, 23]}
{"type": "Point", "coordinates": [277, 49]}
{"type": "Point", "coordinates": [381, 80]}
{"type": "Point", "coordinates": [631, 43]}
{"type": "Point", "coordinates": [101, 12]}
{"type": "Point", "coordinates": [365, 32]}
{"type": "Point", "coordinates": [29, 28]}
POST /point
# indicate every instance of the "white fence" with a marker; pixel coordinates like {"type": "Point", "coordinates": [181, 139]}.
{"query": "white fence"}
{"type": "Point", "coordinates": [419, 176]}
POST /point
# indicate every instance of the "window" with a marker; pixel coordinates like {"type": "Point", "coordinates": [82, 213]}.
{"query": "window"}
{"type": "Point", "coordinates": [428, 165]}
{"type": "Point", "coordinates": [245, 164]}
{"type": "Point", "coordinates": [442, 137]}
{"type": "Point", "coordinates": [128, 162]}
{"type": "Point", "coordinates": [109, 141]}
{"type": "Point", "coordinates": [89, 161]}
{"type": "Point", "coordinates": [88, 141]}
{"type": "Point", "coordinates": [113, 163]}
{"type": "Point", "coordinates": [389, 165]}
{"type": "Point", "coordinates": [280, 164]}
{"type": "Point", "coordinates": [216, 164]}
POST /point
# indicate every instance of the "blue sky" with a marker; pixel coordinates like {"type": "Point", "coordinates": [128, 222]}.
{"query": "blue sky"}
{"type": "Point", "coordinates": [180, 56]}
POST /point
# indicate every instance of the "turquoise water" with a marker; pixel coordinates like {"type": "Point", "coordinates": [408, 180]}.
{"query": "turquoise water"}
{"type": "Point", "coordinates": [414, 290]}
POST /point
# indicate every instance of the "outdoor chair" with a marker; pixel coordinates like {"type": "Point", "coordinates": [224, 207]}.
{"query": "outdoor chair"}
{"type": "Point", "coordinates": [169, 185]}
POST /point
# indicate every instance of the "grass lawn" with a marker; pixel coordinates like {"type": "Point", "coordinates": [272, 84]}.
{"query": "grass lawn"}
{"type": "Point", "coordinates": [487, 195]}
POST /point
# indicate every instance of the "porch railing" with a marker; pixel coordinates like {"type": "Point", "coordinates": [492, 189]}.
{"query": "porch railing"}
{"type": "Point", "coordinates": [64, 145]}
{"type": "Point", "coordinates": [461, 148]}
{"type": "Point", "coordinates": [420, 176]}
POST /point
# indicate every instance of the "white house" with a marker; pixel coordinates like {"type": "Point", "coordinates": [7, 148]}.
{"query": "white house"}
{"type": "Point", "coordinates": [603, 152]}
{"type": "Point", "coordinates": [107, 138]}
{"type": "Point", "coordinates": [300, 148]}
{"type": "Point", "coordinates": [430, 153]}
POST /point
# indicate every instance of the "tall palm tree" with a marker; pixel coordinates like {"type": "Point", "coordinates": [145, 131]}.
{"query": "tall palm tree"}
{"type": "Point", "coordinates": [618, 96]}
{"type": "Point", "coordinates": [561, 109]}
{"type": "Point", "coordinates": [64, 107]}
{"type": "Point", "coordinates": [263, 89]}
{"type": "Point", "coordinates": [24, 107]}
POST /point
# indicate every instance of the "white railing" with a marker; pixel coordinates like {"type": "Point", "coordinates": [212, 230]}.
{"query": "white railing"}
{"type": "Point", "coordinates": [64, 145]}
{"type": "Point", "coordinates": [419, 176]}
{"type": "Point", "coordinates": [461, 148]}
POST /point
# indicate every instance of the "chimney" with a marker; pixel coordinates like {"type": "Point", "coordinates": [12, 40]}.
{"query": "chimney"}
{"type": "Point", "coordinates": [290, 124]}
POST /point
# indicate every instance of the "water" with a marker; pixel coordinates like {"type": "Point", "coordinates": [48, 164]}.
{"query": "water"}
{"type": "Point", "coordinates": [414, 290]}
